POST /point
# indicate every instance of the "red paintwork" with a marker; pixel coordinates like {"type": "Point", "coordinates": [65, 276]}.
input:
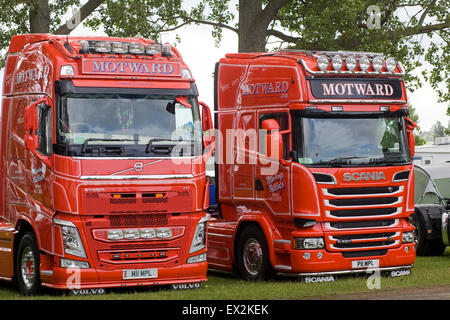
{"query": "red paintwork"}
{"type": "Point", "coordinates": [239, 106]}
{"type": "Point", "coordinates": [33, 65]}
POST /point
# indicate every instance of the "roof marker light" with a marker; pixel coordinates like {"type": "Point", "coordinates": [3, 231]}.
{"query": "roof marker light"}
{"type": "Point", "coordinates": [377, 63]}
{"type": "Point", "coordinates": [364, 63]}
{"type": "Point", "coordinates": [67, 71]}
{"type": "Point", "coordinates": [119, 47]}
{"type": "Point", "coordinates": [391, 64]}
{"type": "Point", "coordinates": [350, 63]}
{"type": "Point", "coordinates": [323, 62]}
{"type": "Point", "coordinates": [166, 50]}
{"type": "Point", "coordinates": [336, 62]}
{"type": "Point", "coordinates": [84, 47]}
{"type": "Point", "coordinates": [153, 49]}
{"type": "Point", "coordinates": [103, 47]}
{"type": "Point", "coordinates": [136, 48]}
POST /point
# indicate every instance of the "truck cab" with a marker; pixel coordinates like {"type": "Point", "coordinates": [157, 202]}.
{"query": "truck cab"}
{"type": "Point", "coordinates": [102, 164]}
{"type": "Point", "coordinates": [313, 175]}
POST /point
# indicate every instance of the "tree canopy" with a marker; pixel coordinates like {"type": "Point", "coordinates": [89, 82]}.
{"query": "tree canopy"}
{"type": "Point", "coordinates": [413, 31]}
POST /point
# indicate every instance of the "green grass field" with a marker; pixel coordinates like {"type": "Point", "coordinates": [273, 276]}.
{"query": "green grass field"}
{"type": "Point", "coordinates": [427, 272]}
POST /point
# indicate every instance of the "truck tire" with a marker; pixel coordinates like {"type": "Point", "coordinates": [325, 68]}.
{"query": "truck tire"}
{"type": "Point", "coordinates": [27, 265]}
{"type": "Point", "coordinates": [253, 255]}
{"type": "Point", "coordinates": [424, 246]}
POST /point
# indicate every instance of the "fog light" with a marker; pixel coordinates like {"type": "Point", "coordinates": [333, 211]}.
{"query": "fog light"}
{"type": "Point", "coordinates": [336, 62]}
{"type": "Point", "coordinates": [136, 48]}
{"type": "Point", "coordinates": [163, 233]}
{"type": "Point", "coordinates": [198, 258]}
{"type": "Point", "coordinates": [67, 263]}
{"type": "Point", "coordinates": [350, 63]}
{"type": "Point", "coordinates": [391, 64]}
{"type": "Point", "coordinates": [119, 47]}
{"type": "Point", "coordinates": [103, 47]}
{"type": "Point", "coordinates": [153, 49]}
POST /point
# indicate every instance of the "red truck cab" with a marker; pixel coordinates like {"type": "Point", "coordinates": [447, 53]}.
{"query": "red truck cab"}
{"type": "Point", "coordinates": [102, 165]}
{"type": "Point", "coordinates": [313, 165]}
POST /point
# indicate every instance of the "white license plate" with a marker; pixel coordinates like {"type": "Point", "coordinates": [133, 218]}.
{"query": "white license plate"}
{"type": "Point", "coordinates": [140, 273]}
{"type": "Point", "coordinates": [360, 264]}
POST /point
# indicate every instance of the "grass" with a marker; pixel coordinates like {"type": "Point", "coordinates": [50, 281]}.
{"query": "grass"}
{"type": "Point", "coordinates": [427, 272]}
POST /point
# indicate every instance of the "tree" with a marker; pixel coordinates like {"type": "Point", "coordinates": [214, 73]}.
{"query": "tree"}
{"type": "Point", "coordinates": [40, 16]}
{"type": "Point", "coordinates": [403, 30]}
{"type": "Point", "coordinates": [438, 130]}
{"type": "Point", "coordinates": [419, 141]}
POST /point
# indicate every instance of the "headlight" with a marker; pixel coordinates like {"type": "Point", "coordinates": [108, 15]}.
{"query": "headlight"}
{"type": "Point", "coordinates": [136, 48]}
{"type": "Point", "coordinates": [391, 64]}
{"type": "Point", "coordinates": [364, 63]}
{"type": "Point", "coordinates": [408, 237]}
{"type": "Point", "coordinates": [148, 233]}
{"type": "Point", "coordinates": [309, 243]}
{"type": "Point", "coordinates": [336, 62]}
{"type": "Point", "coordinates": [199, 239]}
{"type": "Point", "coordinates": [131, 234]}
{"type": "Point", "coordinates": [153, 49]}
{"type": "Point", "coordinates": [323, 62]}
{"type": "Point", "coordinates": [71, 238]}
{"type": "Point", "coordinates": [119, 47]}
{"type": "Point", "coordinates": [115, 234]}
{"type": "Point", "coordinates": [163, 233]}
{"type": "Point", "coordinates": [377, 63]}
{"type": "Point", "coordinates": [350, 62]}
{"type": "Point", "coordinates": [103, 47]}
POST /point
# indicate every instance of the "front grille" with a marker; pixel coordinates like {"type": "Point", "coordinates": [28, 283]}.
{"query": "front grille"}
{"type": "Point", "coordinates": [364, 241]}
{"type": "Point", "coordinates": [363, 244]}
{"type": "Point", "coordinates": [138, 220]}
{"type": "Point", "coordinates": [362, 191]}
{"type": "Point", "coordinates": [362, 212]}
{"type": "Point", "coordinates": [129, 256]}
{"type": "Point", "coordinates": [363, 201]}
{"type": "Point", "coordinates": [362, 224]}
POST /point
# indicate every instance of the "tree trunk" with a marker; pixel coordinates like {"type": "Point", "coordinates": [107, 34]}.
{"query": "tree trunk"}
{"type": "Point", "coordinates": [39, 17]}
{"type": "Point", "coordinates": [252, 34]}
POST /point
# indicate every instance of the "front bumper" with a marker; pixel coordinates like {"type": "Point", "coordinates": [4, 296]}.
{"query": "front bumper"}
{"type": "Point", "coordinates": [71, 278]}
{"type": "Point", "coordinates": [323, 262]}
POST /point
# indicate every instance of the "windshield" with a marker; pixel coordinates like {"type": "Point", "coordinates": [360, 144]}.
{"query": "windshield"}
{"type": "Point", "coordinates": [336, 141]}
{"type": "Point", "coordinates": [126, 125]}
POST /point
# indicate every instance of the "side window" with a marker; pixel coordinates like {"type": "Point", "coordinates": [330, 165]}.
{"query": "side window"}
{"type": "Point", "coordinates": [45, 129]}
{"type": "Point", "coordinates": [283, 121]}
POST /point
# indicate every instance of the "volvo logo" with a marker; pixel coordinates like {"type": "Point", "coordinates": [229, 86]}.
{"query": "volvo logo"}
{"type": "Point", "coordinates": [366, 176]}
{"type": "Point", "coordinates": [138, 166]}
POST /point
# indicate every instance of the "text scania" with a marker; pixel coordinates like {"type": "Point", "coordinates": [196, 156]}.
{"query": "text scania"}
{"type": "Point", "coordinates": [132, 67]}
{"type": "Point", "coordinates": [358, 176]}
{"type": "Point", "coordinates": [361, 89]}
{"type": "Point", "coordinates": [265, 88]}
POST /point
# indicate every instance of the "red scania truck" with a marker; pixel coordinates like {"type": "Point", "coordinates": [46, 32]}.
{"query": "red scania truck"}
{"type": "Point", "coordinates": [313, 165]}
{"type": "Point", "coordinates": [102, 165]}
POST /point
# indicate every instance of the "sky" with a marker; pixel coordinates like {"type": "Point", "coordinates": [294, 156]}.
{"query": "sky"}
{"type": "Point", "coordinates": [198, 49]}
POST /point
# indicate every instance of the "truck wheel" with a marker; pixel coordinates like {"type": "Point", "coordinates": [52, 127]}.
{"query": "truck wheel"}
{"type": "Point", "coordinates": [424, 245]}
{"type": "Point", "coordinates": [27, 265]}
{"type": "Point", "coordinates": [253, 255]}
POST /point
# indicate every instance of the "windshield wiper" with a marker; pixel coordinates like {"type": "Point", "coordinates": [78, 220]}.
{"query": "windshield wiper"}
{"type": "Point", "coordinates": [164, 148]}
{"type": "Point", "coordinates": [85, 143]}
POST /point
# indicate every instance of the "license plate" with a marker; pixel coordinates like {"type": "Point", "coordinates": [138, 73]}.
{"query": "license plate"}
{"type": "Point", "coordinates": [140, 273]}
{"type": "Point", "coordinates": [359, 264]}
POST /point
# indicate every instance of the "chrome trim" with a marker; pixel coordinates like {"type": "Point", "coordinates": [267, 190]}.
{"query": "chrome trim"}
{"type": "Point", "coordinates": [367, 206]}
{"type": "Point", "coordinates": [47, 272]}
{"type": "Point", "coordinates": [282, 267]}
{"type": "Point", "coordinates": [374, 195]}
{"type": "Point", "coordinates": [302, 274]}
{"type": "Point", "coordinates": [364, 217]}
{"type": "Point", "coordinates": [363, 240]}
{"type": "Point", "coordinates": [445, 228]}
{"type": "Point", "coordinates": [359, 101]}
{"type": "Point", "coordinates": [138, 177]}
{"type": "Point", "coordinates": [220, 235]}
{"type": "Point", "coordinates": [396, 242]}
{"type": "Point", "coordinates": [64, 223]}
{"type": "Point", "coordinates": [394, 224]}
{"type": "Point", "coordinates": [282, 241]}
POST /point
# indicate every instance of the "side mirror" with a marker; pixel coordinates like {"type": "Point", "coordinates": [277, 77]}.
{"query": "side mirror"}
{"type": "Point", "coordinates": [207, 125]}
{"type": "Point", "coordinates": [410, 126]}
{"type": "Point", "coordinates": [31, 124]}
{"type": "Point", "coordinates": [274, 139]}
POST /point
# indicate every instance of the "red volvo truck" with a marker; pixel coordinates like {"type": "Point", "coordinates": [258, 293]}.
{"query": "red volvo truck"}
{"type": "Point", "coordinates": [313, 169]}
{"type": "Point", "coordinates": [102, 165]}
